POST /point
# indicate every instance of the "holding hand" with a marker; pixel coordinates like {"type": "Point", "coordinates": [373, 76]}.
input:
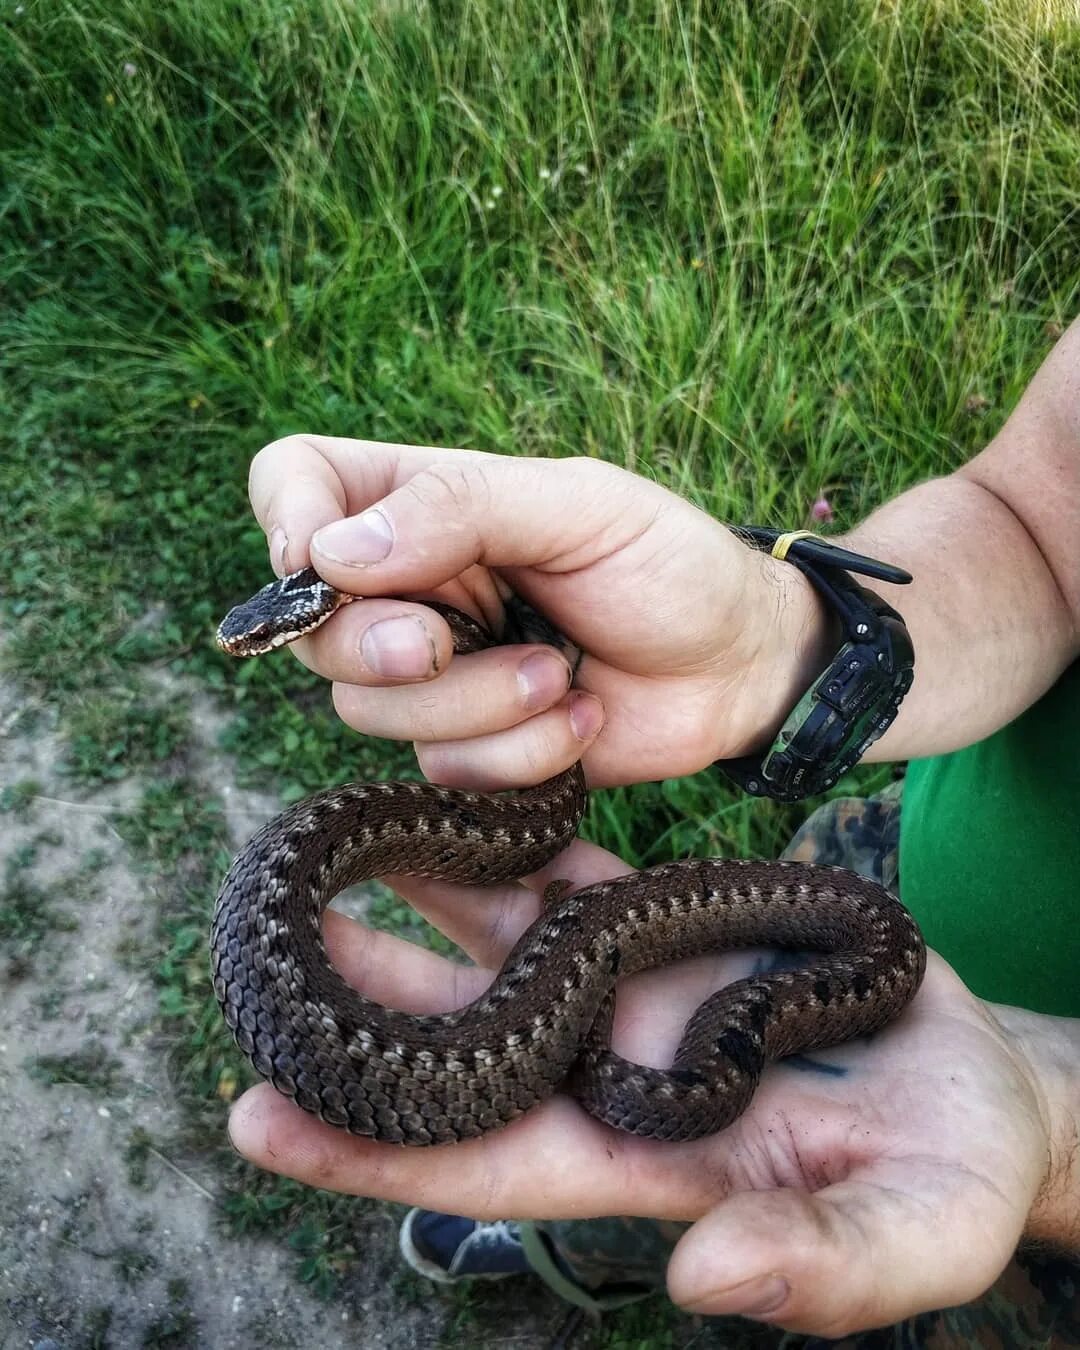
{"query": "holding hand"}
{"type": "Point", "coordinates": [712, 640]}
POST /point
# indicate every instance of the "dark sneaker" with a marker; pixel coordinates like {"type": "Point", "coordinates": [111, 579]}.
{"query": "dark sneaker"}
{"type": "Point", "coordinates": [448, 1248]}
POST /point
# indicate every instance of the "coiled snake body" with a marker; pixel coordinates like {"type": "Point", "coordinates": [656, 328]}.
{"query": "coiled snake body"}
{"type": "Point", "coordinates": [545, 1022]}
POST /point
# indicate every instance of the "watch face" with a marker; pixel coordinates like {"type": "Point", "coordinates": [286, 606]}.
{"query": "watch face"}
{"type": "Point", "coordinates": [838, 718]}
{"type": "Point", "coordinates": [856, 699]}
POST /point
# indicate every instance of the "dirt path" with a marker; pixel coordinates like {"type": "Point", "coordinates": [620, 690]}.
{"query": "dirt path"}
{"type": "Point", "coordinates": [109, 1235]}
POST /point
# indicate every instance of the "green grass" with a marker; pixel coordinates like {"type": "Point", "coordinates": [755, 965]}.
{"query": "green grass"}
{"type": "Point", "coordinates": [92, 1067]}
{"type": "Point", "coordinates": [29, 912]}
{"type": "Point", "coordinates": [756, 251]}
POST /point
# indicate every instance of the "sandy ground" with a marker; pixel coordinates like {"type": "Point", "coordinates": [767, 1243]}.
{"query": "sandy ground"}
{"type": "Point", "coordinates": [103, 1245]}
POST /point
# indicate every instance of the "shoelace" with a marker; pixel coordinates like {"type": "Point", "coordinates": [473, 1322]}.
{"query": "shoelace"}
{"type": "Point", "coordinates": [496, 1232]}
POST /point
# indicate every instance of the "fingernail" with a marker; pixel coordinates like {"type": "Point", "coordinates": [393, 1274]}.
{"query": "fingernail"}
{"type": "Point", "coordinates": [759, 1297]}
{"type": "Point", "coordinates": [358, 541]}
{"type": "Point", "coordinates": [279, 542]}
{"type": "Point", "coordinates": [399, 649]}
{"type": "Point", "coordinates": [586, 715]}
{"type": "Point", "coordinates": [543, 678]}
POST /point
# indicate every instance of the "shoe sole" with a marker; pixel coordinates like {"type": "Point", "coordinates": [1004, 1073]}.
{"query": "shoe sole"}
{"type": "Point", "coordinates": [414, 1258]}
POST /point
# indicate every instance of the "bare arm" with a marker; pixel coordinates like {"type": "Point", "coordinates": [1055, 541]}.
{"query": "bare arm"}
{"type": "Point", "coordinates": [995, 549]}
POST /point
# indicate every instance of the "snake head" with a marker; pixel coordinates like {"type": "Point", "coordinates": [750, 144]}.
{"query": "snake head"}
{"type": "Point", "coordinates": [278, 614]}
{"type": "Point", "coordinates": [240, 637]}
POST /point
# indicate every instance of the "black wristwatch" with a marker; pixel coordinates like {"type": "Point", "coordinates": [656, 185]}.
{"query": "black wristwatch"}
{"type": "Point", "coordinates": [857, 697]}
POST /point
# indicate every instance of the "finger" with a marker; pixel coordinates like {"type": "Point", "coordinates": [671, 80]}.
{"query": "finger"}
{"type": "Point", "coordinates": [652, 1008]}
{"type": "Point", "coordinates": [293, 491]}
{"type": "Point", "coordinates": [554, 1162]}
{"type": "Point", "coordinates": [497, 1176]}
{"type": "Point", "coordinates": [486, 921]}
{"type": "Point", "coordinates": [300, 483]}
{"type": "Point", "coordinates": [478, 694]}
{"type": "Point", "coordinates": [377, 643]}
{"type": "Point", "coordinates": [520, 756]}
{"type": "Point", "coordinates": [396, 973]}
{"type": "Point", "coordinates": [855, 1255]}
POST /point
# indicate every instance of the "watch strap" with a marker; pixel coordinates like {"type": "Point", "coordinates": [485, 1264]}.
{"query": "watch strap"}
{"type": "Point", "coordinates": [856, 698]}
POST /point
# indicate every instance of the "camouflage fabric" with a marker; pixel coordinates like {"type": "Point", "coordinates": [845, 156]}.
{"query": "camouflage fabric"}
{"type": "Point", "coordinates": [860, 833]}
{"type": "Point", "coordinates": [604, 1263]}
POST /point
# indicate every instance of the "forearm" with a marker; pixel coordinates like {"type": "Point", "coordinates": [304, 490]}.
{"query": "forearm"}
{"type": "Point", "coordinates": [990, 626]}
{"type": "Point", "coordinates": [1050, 1048]}
{"type": "Point", "coordinates": [994, 609]}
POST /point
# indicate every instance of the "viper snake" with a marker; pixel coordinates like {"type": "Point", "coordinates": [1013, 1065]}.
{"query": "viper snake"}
{"type": "Point", "coordinates": [544, 1024]}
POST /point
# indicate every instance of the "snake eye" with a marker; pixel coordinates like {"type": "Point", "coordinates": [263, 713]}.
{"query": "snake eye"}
{"type": "Point", "coordinates": [261, 634]}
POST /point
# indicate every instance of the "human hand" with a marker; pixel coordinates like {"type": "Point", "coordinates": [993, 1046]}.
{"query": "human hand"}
{"type": "Point", "coordinates": [696, 646]}
{"type": "Point", "coordinates": [880, 1179]}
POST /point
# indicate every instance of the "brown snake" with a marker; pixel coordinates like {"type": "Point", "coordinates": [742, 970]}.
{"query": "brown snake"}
{"type": "Point", "coordinates": [545, 1021]}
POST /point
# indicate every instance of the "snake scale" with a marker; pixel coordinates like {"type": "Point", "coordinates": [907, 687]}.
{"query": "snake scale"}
{"type": "Point", "coordinates": [544, 1024]}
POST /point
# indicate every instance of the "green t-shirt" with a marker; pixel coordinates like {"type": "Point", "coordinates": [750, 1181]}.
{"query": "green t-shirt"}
{"type": "Point", "coordinates": [990, 856]}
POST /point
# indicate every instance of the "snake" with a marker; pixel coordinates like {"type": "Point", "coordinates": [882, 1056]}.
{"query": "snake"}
{"type": "Point", "coordinates": [544, 1024]}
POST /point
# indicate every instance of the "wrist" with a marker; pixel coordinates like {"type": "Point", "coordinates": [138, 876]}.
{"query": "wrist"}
{"type": "Point", "coordinates": [1049, 1047]}
{"type": "Point", "coordinates": [797, 637]}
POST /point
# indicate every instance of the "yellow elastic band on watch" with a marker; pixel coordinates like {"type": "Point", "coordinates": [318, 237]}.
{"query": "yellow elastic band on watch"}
{"type": "Point", "coordinates": [779, 550]}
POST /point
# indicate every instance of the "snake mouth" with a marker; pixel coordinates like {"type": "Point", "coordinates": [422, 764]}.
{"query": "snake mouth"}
{"type": "Point", "coordinates": [257, 641]}
{"type": "Point", "coordinates": [236, 637]}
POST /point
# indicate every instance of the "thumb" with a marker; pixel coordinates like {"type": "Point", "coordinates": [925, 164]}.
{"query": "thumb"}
{"type": "Point", "coordinates": [848, 1258]}
{"type": "Point", "coordinates": [570, 536]}
{"type": "Point", "coordinates": [556, 516]}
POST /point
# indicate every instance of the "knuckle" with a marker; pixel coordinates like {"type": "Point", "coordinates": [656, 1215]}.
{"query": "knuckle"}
{"type": "Point", "coordinates": [613, 493]}
{"type": "Point", "coordinates": [452, 487]}
{"type": "Point", "coordinates": [596, 472]}
{"type": "Point", "coordinates": [274, 464]}
{"type": "Point", "coordinates": [282, 450]}
{"type": "Point", "coordinates": [459, 498]}
{"type": "Point", "coordinates": [600, 468]}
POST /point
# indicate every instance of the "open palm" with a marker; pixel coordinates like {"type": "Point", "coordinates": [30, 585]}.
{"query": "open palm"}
{"type": "Point", "coordinates": [879, 1179]}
